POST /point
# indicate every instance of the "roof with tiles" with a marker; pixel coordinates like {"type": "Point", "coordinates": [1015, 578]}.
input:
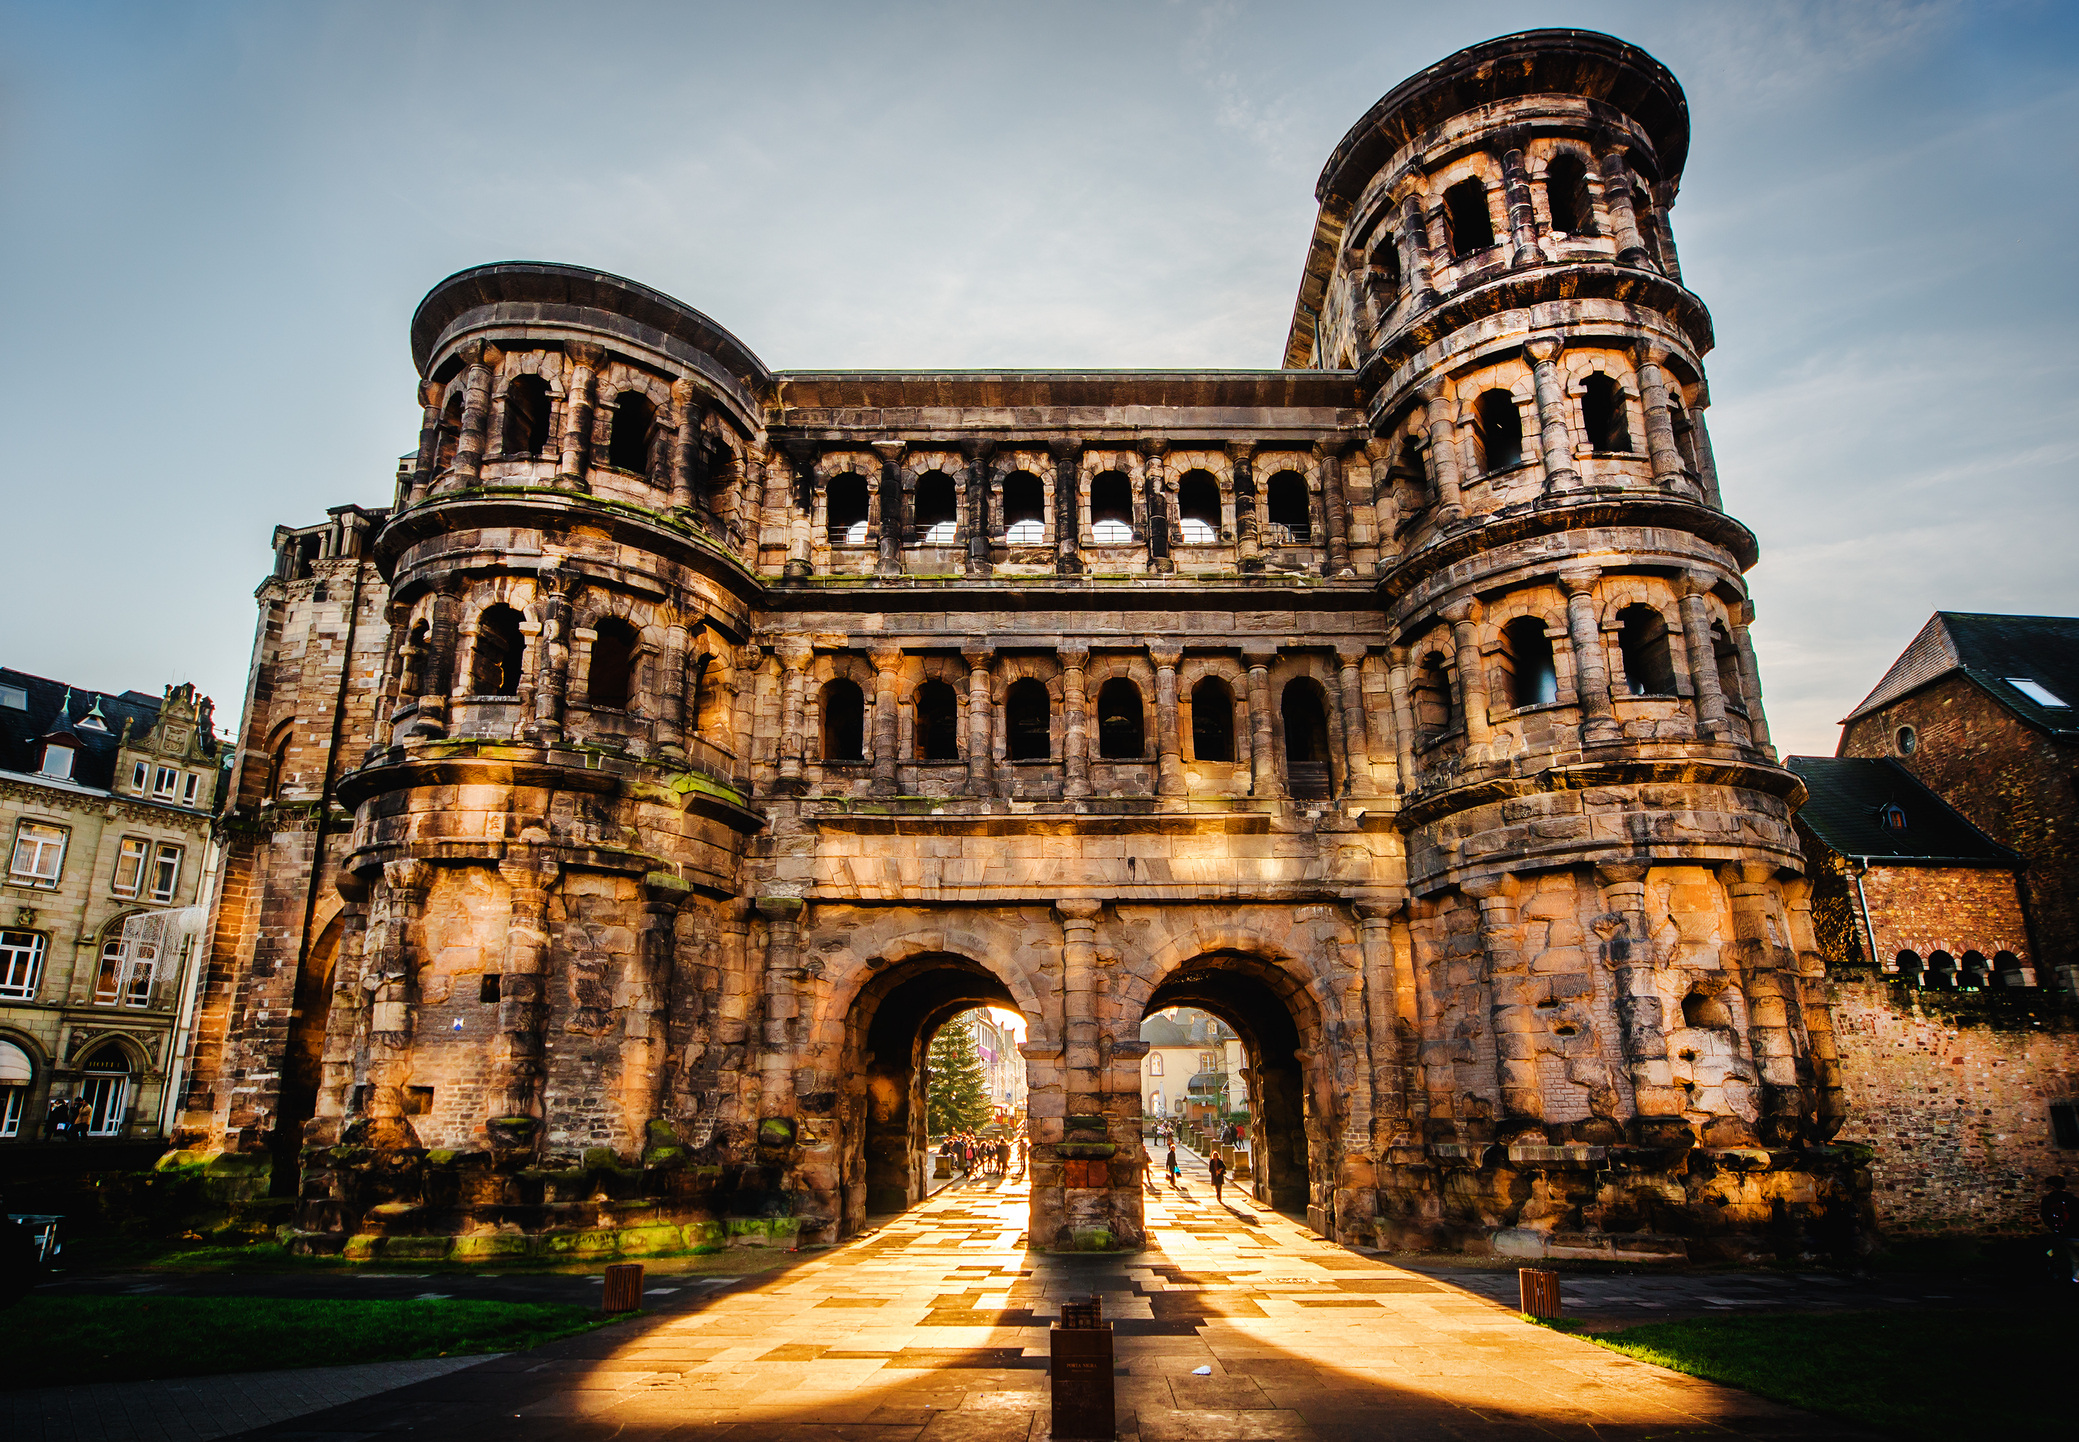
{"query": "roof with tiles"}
{"type": "Point", "coordinates": [2026, 663]}
{"type": "Point", "coordinates": [1874, 809]}
{"type": "Point", "coordinates": [43, 710]}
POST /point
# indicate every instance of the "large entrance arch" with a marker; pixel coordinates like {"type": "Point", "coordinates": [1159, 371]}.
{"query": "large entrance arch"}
{"type": "Point", "coordinates": [887, 1031]}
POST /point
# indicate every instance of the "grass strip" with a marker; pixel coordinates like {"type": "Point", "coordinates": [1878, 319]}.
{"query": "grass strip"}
{"type": "Point", "coordinates": [1921, 1372]}
{"type": "Point", "coordinates": [59, 1341]}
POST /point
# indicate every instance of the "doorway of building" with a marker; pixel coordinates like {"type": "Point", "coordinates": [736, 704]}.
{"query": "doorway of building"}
{"type": "Point", "coordinates": [105, 1088]}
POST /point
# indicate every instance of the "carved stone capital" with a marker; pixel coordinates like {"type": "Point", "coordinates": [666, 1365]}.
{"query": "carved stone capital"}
{"type": "Point", "coordinates": [1165, 658]}
{"type": "Point", "coordinates": [1579, 582]}
{"type": "Point", "coordinates": [1544, 350]}
{"type": "Point", "coordinates": [1079, 909]}
{"type": "Point", "coordinates": [409, 878]}
{"type": "Point", "coordinates": [1351, 653]}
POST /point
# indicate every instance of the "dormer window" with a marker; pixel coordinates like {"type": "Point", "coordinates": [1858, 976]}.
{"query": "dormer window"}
{"type": "Point", "coordinates": [1894, 819]}
{"type": "Point", "coordinates": [94, 720]}
{"type": "Point", "coordinates": [57, 760]}
{"type": "Point", "coordinates": [189, 787]}
{"type": "Point", "coordinates": [2036, 691]}
{"type": "Point", "coordinates": [164, 782]}
{"type": "Point", "coordinates": [140, 776]}
{"type": "Point", "coordinates": [14, 697]}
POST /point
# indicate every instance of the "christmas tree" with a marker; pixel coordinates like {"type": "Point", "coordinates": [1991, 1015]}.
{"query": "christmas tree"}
{"type": "Point", "coordinates": [956, 1090]}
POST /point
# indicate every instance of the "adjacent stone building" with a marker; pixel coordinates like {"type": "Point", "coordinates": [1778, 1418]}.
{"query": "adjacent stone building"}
{"type": "Point", "coordinates": [628, 800]}
{"type": "Point", "coordinates": [106, 801]}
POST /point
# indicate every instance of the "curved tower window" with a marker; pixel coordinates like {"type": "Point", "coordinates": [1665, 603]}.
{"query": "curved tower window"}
{"type": "Point", "coordinates": [1431, 700]}
{"type": "Point", "coordinates": [526, 417]}
{"type": "Point", "coordinates": [937, 517]}
{"type": "Point", "coordinates": [1649, 668]}
{"type": "Point", "coordinates": [1212, 721]}
{"type": "Point", "coordinates": [613, 665]}
{"type": "Point", "coordinates": [938, 722]}
{"type": "Point", "coordinates": [1290, 509]}
{"type": "Point", "coordinates": [1306, 741]}
{"type": "Point", "coordinates": [497, 665]}
{"type": "Point", "coordinates": [1566, 195]}
{"type": "Point", "coordinates": [1602, 413]}
{"type": "Point", "coordinates": [1111, 509]}
{"type": "Point", "coordinates": [1727, 658]}
{"type": "Point", "coordinates": [845, 502]}
{"type": "Point", "coordinates": [1027, 714]}
{"type": "Point", "coordinates": [1532, 679]}
{"type": "Point", "coordinates": [844, 721]}
{"type": "Point", "coordinates": [1465, 212]}
{"type": "Point", "coordinates": [1501, 430]}
{"type": "Point", "coordinates": [1198, 508]}
{"type": "Point", "coordinates": [635, 421]}
{"type": "Point", "coordinates": [1122, 733]}
{"type": "Point", "coordinates": [1024, 509]}
{"type": "Point", "coordinates": [449, 435]}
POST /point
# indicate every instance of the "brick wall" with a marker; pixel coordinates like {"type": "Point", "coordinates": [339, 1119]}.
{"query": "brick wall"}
{"type": "Point", "coordinates": [1944, 908]}
{"type": "Point", "coordinates": [1954, 1093]}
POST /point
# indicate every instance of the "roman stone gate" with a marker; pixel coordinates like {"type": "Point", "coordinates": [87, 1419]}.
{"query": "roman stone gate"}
{"type": "Point", "coordinates": [683, 741]}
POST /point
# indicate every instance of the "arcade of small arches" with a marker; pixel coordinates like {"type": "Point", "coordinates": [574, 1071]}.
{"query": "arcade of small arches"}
{"type": "Point", "coordinates": [1943, 970]}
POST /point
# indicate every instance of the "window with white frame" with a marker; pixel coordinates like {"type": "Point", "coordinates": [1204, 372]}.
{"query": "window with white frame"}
{"type": "Point", "coordinates": [140, 775]}
{"type": "Point", "coordinates": [163, 783]}
{"type": "Point", "coordinates": [39, 854]}
{"type": "Point", "coordinates": [1154, 1063]}
{"type": "Point", "coordinates": [57, 761]}
{"type": "Point", "coordinates": [126, 974]}
{"type": "Point", "coordinates": [21, 964]}
{"type": "Point", "coordinates": [14, 697]}
{"type": "Point", "coordinates": [188, 788]}
{"type": "Point", "coordinates": [129, 867]}
{"type": "Point", "coordinates": [165, 872]}
{"type": "Point", "coordinates": [106, 1091]}
{"type": "Point", "coordinates": [12, 1101]}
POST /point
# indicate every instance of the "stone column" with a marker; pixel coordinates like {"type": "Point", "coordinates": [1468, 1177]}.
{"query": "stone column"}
{"type": "Point", "coordinates": [1703, 659]}
{"type": "Point", "coordinates": [1414, 251]}
{"type": "Point", "coordinates": [1773, 1022]}
{"type": "Point", "coordinates": [1555, 437]}
{"type": "Point", "coordinates": [1262, 749]}
{"type": "Point", "coordinates": [980, 711]}
{"type": "Point", "coordinates": [1328, 455]}
{"type": "Point", "coordinates": [1624, 220]}
{"type": "Point", "coordinates": [685, 441]}
{"type": "Point", "coordinates": [1464, 617]}
{"type": "Point", "coordinates": [1075, 721]}
{"type": "Point", "coordinates": [799, 466]}
{"type": "Point", "coordinates": [1668, 470]}
{"type": "Point", "coordinates": [515, 1090]}
{"type": "Point", "coordinates": [671, 688]}
{"type": "Point", "coordinates": [579, 396]}
{"type": "Point", "coordinates": [1627, 949]}
{"type": "Point", "coordinates": [1385, 996]}
{"type": "Point", "coordinates": [1591, 662]}
{"type": "Point", "coordinates": [886, 742]}
{"type": "Point", "coordinates": [1439, 413]}
{"type": "Point", "coordinates": [1403, 718]}
{"type": "Point", "coordinates": [1079, 1028]}
{"type": "Point", "coordinates": [1512, 997]}
{"type": "Point", "coordinates": [1356, 734]}
{"type": "Point", "coordinates": [644, 1005]}
{"type": "Point", "coordinates": [1169, 746]}
{"type": "Point", "coordinates": [429, 443]}
{"type": "Point", "coordinates": [401, 903]}
{"type": "Point", "coordinates": [1160, 528]}
{"type": "Point", "coordinates": [1247, 535]}
{"type": "Point", "coordinates": [1706, 461]}
{"type": "Point", "coordinates": [1068, 507]}
{"type": "Point", "coordinates": [978, 529]}
{"type": "Point", "coordinates": [476, 413]}
{"type": "Point", "coordinates": [1750, 681]}
{"type": "Point", "coordinates": [794, 654]}
{"type": "Point", "coordinates": [894, 512]}
{"type": "Point", "coordinates": [778, 1057]}
{"type": "Point", "coordinates": [1664, 232]}
{"type": "Point", "coordinates": [1523, 218]}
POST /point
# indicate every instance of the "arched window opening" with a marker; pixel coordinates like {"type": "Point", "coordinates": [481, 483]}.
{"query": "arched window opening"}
{"type": "Point", "coordinates": [1212, 721]}
{"type": "Point", "coordinates": [497, 664]}
{"type": "Point", "coordinates": [1727, 658]}
{"type": "Point", "coordinates": [937, 516]}
{"type": "Point", "coordinates": [1409, 473]}
{"type": "Point", "coordinates": [1649, 667]}
{"type": "Point", "coordinates": [1706, 1009]}
{"type": "Point", "coordinates": [1122, 733]}
{"type": "Point", "coordinates": [1977, 971]}
{"type": "Point", "coordinates": [1501, 430]}
{"type": "Point", "coordinates": [1291, 509]}
{"type": "Point", "coordinates": [1306, 742]}
{"type": "Point", "coordinates": [628, 444]}
{"type": "Point", "coordinates": [613, 665]}
{"type": "Point", "coordinates": [1111, 509]}
{"type": "Point", "coordinates": [2006, 969]}
{"type": "Point", "coordinates": [1383, 269]}
{"type": "Point", "coordinates": [1685, 433]}
{"type": "Point", "coordinates": [1602, 413]}
{"type": "Point", "coordinates": [938, 722]}
{"type": "Point", "coordinates": [449, 435]}
{"type": "Point", "coordinates": [1533, 680]}
{"type": "Point", "coordinates": [1198, 508]}
{"type": "Point", "coordinates": [1027, 732]}
{"type": "Point", "coordinates": [1430, 697]}
{"type": "Point", "coordinates": [1941, 970]}
{"type": "Point", "coordinates": [845, 502]}
{"type": "Point", "coordinates": [1909, 965]}
{"type": "Point", "coordinates": [1466, 213]}
{"type": "Point", "coordinates": [105, 1090]}
{"type": "Point", "coordinates": [844, 721]}
{"type": "Point", "coordinates": [1566, 195]}
{"type": "Point", "coordinates": [1024, 509]}
{"type": "Point", "coordinates": [526, 417]}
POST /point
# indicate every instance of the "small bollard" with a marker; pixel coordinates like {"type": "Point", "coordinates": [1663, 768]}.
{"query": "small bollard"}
{"type": "Point", "coordinates": [1539, 1292]}
{"type": "Point", "coordinates": [623, 1289]}
{"type": "Point", "coordinates": [1080, 1374]}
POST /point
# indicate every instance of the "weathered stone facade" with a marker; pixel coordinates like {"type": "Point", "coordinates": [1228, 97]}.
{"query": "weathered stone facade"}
{"type": "Point", "coordinates": [732, 728]}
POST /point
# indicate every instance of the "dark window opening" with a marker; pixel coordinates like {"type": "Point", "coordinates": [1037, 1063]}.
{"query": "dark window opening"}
{"type": "Point", "coordinates": [1410, 473]}
{"type": "Point", "coordinates": [1212, 721]}
{"type": "Point", "coordinates": [487, 988]}
{"type": "Point", "coordinates": [1466, 213]}
{"type": "Point", "coordinates": [418, 1101]}
{"type": "Point", "coordinates": [846, 503]}
{"type": "Point", "coordinates": [1290, 508]}
{"type": "Point", "coordinates": [1121, 725]}
{"type": "Point", "coordinates": [2006, 966]}
{"type": "Point", "coordinates": [1430, 698]}
{"type": "Point", "coordinates": [1977, 971]}
{"type": "Point", "coordinates": [938, 722]}
{"type": "Point", "coordinates": [2064, 1123]}
{"type": "Point", "coordinates": [635, 421]}
{"type": "Point", "coordinates": [1501, 430]}
{"type": "Point", "coordinates": [1024, 509]}
{"type": "Point", "coordinates": [1685, 433]}
{"type": "Point", "coordinates": [1533, 680]}
{"type": "Point", "coordinates": [844, 721]}
{"type": "Point", "coordinates": [937, 515]}
{"type": "Point", "coordinates": [1111, 508]}
{"type": "Point", "coordinates": [1941, 970]}
{"type": "Point", "coordinates": [1909, 965]}
{"type": "Point", "coordinates": [1706, 1009]}
{"type": "Point", "coordinates": [1027, 712]}
{"type": "Point", "coordinates": [1383, 270]}
{"type": "Point", "coordinates": [1306, 742]}
{"type": "Point", "coordinates": [1198, 508]}
{"type": "Point", "coordinates": [450, 433]}
{"type": "Point", "coordinates": [526, 417]}
{"type": "Point", "coordinates": [1602, 412]}
{"type": "Point", "coordinates": [1566, 195]}
{"type": "Point", "coordinates": [1642, 641]}
{"type": "Point", "coordinates": [613, 665]}
{"type": "Point", "coordinates": [497, 665]}
{"type": "Point", "coordinates": [1727, 658]}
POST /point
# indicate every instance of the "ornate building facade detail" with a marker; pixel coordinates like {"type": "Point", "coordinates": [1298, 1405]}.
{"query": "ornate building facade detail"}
{"type": "Point", "coordinates": [698, 737]}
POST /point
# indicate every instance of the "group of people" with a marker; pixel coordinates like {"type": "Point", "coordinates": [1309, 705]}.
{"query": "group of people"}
{"type": "Point", "coordinates": [1216, 1166]}
{"type": "Point", "coordinates": [68, 1118]}
{"type": "Point", "coordinates": [992, 1157]}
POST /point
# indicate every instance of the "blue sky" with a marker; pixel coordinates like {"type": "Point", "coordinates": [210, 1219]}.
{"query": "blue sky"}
{"type": "Point", "coordinates": [220, 217]}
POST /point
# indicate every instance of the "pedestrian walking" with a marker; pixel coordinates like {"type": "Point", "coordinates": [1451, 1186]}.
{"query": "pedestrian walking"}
{"type": "Point", "coordinates": [1217, 1169]}
{"type": "Point", "coordinates": [1170, 1165]}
